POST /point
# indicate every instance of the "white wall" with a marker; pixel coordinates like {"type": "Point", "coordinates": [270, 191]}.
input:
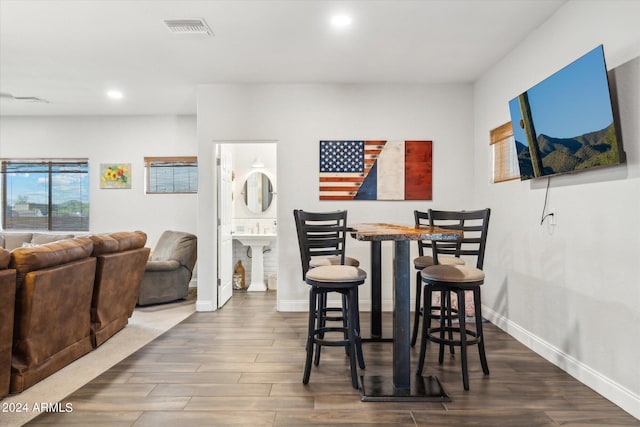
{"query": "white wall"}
{"type": "Point", "coordinates": [298, 117]}
{"type": "Point", "coordinates": [572, 292]}
{"type": "Point", "coordinates": [116, 139]}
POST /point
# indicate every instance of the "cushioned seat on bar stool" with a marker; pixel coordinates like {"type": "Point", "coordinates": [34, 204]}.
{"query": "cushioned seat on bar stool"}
{"type": "Point", "coordinates": [457, 279]}
{"type": "Point", "coordinates": [319, 257]}
{"type": "Point", "coordinates": [448, 251]}
{"type": "Point", "coordinates": [318, 261]}
{"type": "Point", "coordinates": [334, 260]}
{"type": "Point", "coordinates": [324, 234]}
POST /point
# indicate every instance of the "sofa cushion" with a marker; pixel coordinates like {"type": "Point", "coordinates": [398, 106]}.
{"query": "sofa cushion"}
{"type": "Point", "coordinates": [169, 265]}
{"type": "Point", "coordinates": [5, 257]}
{"type": "Point", "coordinates": [118, 242]}
{"type": "Point", "coordinates": [15, 240]}
{"type": "Point", "coordinates": [44, 238]}
{"type": "Point", "coordinates": [176, 245]}
{"type": "Point", "coordinates": [103, 244]}
{"type": "Point", "coordinates": [25, 260]}
{"type": "Point", "coordinates": [130, 239]}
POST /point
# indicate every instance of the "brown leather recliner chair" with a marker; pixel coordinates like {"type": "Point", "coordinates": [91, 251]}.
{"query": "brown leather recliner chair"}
{"type": "Point", "coordinates": [7, 306]}
{"type": "Point", "coordinates": [170, 268]}
{"type": "Point", "coordinates": [53, 304]}
{"type": "Point", "coordinates": [122, 258]}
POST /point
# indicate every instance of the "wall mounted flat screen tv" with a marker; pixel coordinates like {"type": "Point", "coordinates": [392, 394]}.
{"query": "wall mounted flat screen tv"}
{"type": "Point", "coordinates": [565, 123]}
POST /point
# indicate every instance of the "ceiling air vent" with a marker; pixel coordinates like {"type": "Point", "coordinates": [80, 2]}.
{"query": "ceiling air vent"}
{"type": "Point", "coordinates": [188, 26]}
{"type": "Point", "coordinates": [23, 98]}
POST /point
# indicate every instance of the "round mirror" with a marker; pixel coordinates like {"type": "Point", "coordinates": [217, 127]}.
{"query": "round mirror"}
{"type": "Point", "coordinates": [257, 192]}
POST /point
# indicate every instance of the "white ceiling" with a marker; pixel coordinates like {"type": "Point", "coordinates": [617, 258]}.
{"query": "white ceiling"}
{"type": "Point", "coordinates": [72, 52]}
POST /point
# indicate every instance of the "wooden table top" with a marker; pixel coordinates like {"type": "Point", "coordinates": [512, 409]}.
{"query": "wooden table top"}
{"type": "Point", "coordinates": [381, 231]}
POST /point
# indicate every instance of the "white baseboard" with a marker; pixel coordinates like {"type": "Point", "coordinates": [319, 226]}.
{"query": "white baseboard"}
{"type": "Point", "coordinates": [205, 305]}
{"type": "Point", "coordinates": [621, 396]}
{"type": "Point", "coordinates": [293, 305]}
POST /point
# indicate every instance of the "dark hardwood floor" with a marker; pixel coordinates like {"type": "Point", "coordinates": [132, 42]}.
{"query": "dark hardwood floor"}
{"type": "Point", "coordinates": [242, 365]}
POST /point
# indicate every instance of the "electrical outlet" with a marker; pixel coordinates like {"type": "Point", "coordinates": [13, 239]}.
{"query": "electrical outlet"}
{"type": "Point", "coordinates": [553, 220]}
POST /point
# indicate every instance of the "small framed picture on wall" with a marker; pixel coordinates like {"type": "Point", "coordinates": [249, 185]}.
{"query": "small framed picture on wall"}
{"type": "Point", "coordinates": [115, 175]}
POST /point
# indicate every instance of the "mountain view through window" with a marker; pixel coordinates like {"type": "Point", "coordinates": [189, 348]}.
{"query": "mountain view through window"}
{"type": "Point", "coordinates": [45, 195]}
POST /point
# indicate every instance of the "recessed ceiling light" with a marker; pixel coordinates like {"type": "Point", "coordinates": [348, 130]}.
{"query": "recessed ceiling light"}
{"type": "Point", "coordinates": [341, 21]}
{"type": "Point", "coordinates": [115, 94]}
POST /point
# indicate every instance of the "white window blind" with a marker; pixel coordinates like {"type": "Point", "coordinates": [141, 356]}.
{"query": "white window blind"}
{"type": "Point", "coordinates": [505, 159]}
{"type": "Point", "coordinates": [171, 175]}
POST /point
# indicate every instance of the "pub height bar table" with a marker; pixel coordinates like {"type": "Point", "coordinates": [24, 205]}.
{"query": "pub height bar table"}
{"type": "Point", "coordinates": [402, 386]}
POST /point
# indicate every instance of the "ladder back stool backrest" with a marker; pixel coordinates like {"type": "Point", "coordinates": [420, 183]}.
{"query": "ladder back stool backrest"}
{"type": "Point", "coordinates": [474, 226]}
{"type": "Point", "coordinates": [444, 248]}
{"type": "Point", "coordinates": [320, 234]}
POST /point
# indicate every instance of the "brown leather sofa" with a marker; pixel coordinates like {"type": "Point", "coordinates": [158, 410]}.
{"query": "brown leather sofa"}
{"type": "Point", "coordinates": [121, 260]}
{"type": "Point", "coordinates": [7, 305]}
{"type": "Point", "coordinates": [54, 287]}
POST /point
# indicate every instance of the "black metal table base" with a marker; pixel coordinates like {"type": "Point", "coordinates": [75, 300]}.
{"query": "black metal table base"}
{"type": "Point", "coordinates": [423, 389]}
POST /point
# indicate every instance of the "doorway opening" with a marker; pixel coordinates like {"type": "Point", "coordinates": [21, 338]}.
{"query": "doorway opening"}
{"type": "Point", "coordinates": [247, 225]}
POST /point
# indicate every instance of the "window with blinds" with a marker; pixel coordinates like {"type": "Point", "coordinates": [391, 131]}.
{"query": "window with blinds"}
{"type": "Point", "coordinates": [505, 158]}
{"type": "Point", "coordinates": [167, 175]}
{"type": "Point", "coordinates": [45, 194]}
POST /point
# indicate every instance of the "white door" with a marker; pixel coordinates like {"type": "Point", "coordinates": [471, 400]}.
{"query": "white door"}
{"type": "Point", "coordinates": [225, 243]}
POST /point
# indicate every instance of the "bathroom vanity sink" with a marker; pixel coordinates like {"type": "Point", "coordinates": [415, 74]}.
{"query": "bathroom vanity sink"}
{"type": "Point", "coordinates": [257, 242]}
{"type": "Point", "coordinates": [254, 239]}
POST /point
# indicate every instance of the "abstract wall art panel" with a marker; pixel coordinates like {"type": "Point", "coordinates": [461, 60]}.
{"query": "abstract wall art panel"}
{"type": "Point", "coordinates": [375, 170]}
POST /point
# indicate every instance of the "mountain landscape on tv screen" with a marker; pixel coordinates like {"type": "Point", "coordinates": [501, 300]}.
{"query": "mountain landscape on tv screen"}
{"type": "Point", "coordinates": [562, 155]}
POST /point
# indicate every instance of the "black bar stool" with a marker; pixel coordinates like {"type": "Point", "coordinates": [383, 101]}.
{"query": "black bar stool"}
{"type": "Point", "coordinates": [323, 235]}
{"type": "Point", "coordinates": [448, 251]}
{"type": "Point", "coordinates": [457, 279]}
{"type": "Point", "coordinates": [326, 313]}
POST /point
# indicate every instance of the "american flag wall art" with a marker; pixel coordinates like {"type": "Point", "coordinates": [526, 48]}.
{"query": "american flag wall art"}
{"type": "Point", "coordinates": [375, 170]}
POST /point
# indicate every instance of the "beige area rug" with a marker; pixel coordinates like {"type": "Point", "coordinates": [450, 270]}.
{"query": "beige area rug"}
{"type": "Point", "coordinates": [145, 325]}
